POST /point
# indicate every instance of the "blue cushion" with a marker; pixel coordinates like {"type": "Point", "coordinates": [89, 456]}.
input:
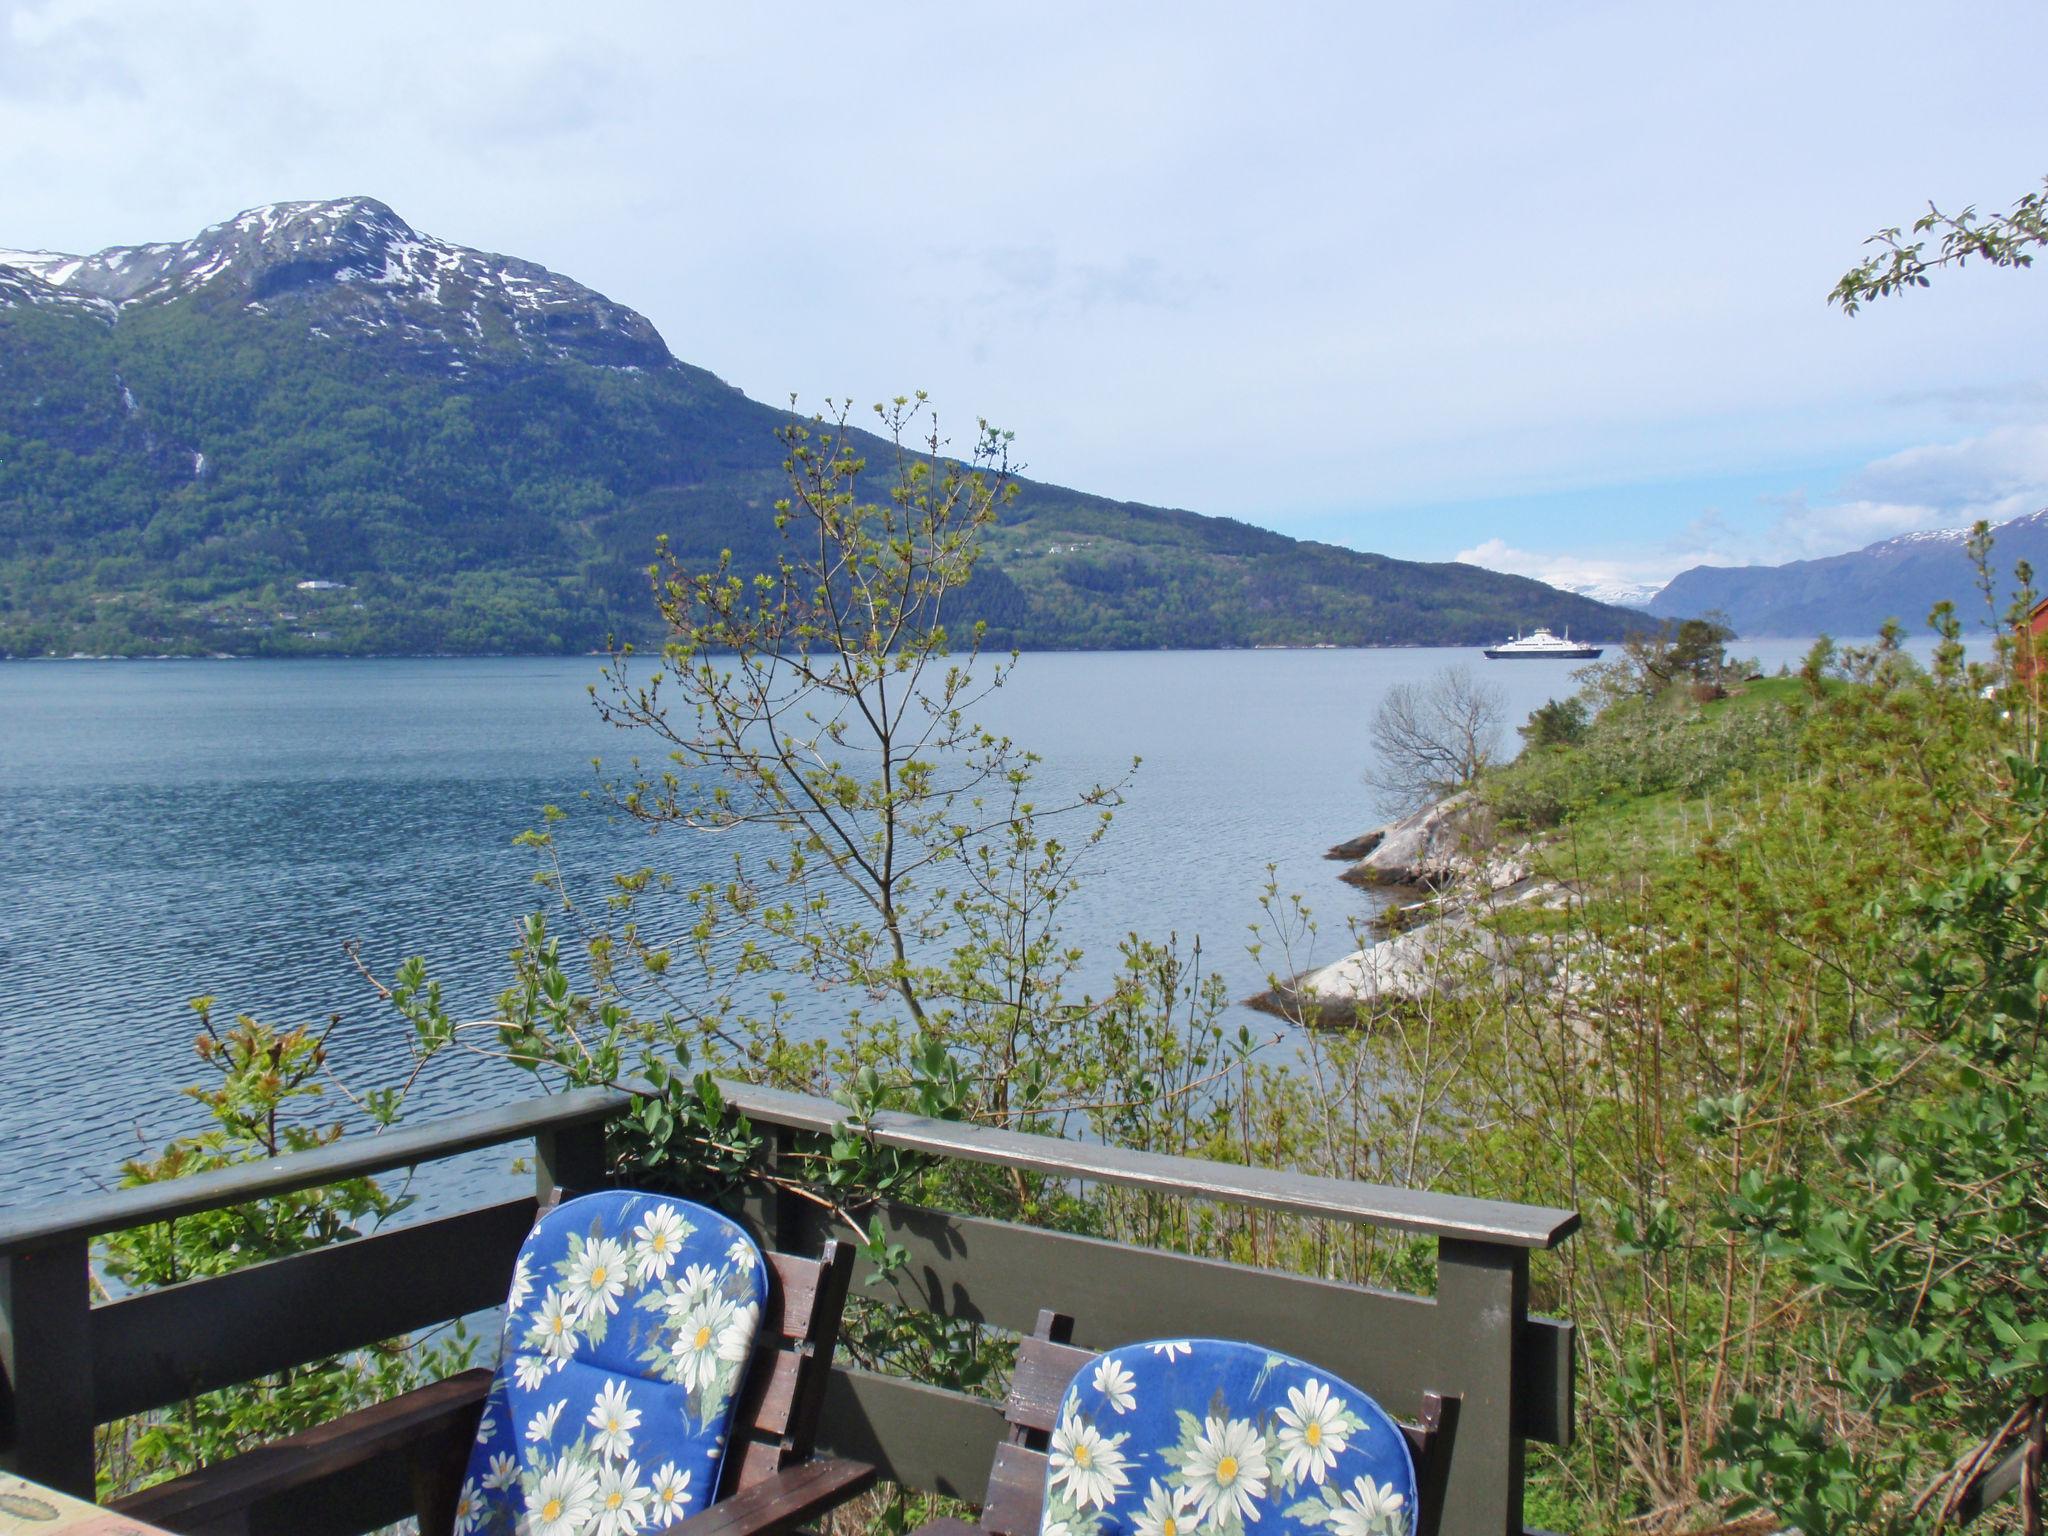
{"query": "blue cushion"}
{"type": "Point", "coordinates": [1183, 1436]}
{"type": "Point", "coordinates": [627, 1334]}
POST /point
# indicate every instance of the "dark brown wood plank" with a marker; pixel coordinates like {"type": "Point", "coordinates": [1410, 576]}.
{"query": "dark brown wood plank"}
{"type": "Point", "coordinates": [759, 1461]}
{"type": "Point", "coordinates": [793, 1496]}
{"type": "Point", "coordinates": [815, 1352]}
{"type": "Point", "coordinates": [768, 1394]}
{"type": "Point", "coordinates": [919, 1436]}
{"type": "Point", "coordinates": [349, 1158]}
{"type": "Point", "coordinates": [381, 1432]}
{"type": "Point", "coordinates": [795, 1294]}
{"type": "Point", "coordinates": [1379, 1205]}
{"type": "Point", "coordinates": [1016, 1492]}
{"type": "Point", "coordinates": [1044, 1371]}
{"type": "Point", "coordinates": [163, 1346]}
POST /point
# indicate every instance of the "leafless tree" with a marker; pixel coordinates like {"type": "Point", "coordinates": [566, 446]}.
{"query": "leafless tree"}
{"type": "Point", "coordinates": [1430, 739]}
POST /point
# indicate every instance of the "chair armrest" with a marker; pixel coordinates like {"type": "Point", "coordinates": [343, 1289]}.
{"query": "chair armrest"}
{"type": "Point", "coordinates": [792, 1496]}
{"type": "Point", "coordinates": [443, 1414]}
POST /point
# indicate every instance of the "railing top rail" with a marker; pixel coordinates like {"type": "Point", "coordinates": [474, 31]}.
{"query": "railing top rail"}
{"type": "Point", "coordinates": [1379, 1205]}
{"type": "Point", "coordinates": [1445, 1216]}
{"type": "Point", "coordinates": [352, 1157]}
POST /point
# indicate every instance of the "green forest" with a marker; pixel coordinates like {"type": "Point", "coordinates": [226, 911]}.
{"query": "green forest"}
{"type": "Point", "coordinates": [169, 481]}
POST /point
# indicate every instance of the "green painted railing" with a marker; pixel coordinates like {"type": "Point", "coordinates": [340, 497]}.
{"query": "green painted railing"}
{"type": "Point", "coordinates": [67, 1364]}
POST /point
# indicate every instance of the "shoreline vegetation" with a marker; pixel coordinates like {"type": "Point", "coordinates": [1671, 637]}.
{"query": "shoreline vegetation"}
{"type": "Point", "coordinates": [1751, 972]}
{"type": "Point", "coordinates": [1750, 969]}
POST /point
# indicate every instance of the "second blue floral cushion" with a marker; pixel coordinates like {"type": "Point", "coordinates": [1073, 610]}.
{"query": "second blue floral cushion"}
{"type": "Point", "coordinates": [1183, 1436]}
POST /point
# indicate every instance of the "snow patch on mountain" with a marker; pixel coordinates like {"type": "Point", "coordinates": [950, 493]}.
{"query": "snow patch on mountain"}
{"type": "Point", "coordinates": [1623, 594]}
{"type": "Point", "coordinates": [350, 266]}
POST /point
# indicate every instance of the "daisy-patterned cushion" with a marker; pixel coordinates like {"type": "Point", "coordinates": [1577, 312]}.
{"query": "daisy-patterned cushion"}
{"type": "Point", "coordinates": [627, 1333]}
{"type": "Point", "coordinates": [1186, 1437]}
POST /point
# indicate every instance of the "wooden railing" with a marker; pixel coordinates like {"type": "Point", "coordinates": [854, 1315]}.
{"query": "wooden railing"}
{"type": "Point", "coordinates": [67, 1364]}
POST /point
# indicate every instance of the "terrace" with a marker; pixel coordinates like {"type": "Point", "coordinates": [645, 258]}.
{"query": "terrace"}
{"type": "Point", "coordinates": [68, 1363]}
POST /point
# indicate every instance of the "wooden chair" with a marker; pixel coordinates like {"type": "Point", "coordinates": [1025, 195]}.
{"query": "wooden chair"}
{"type": "Point", "coordinates": [769, 1479]}
{"type": "Point", "coordinates": [1046, 1363]}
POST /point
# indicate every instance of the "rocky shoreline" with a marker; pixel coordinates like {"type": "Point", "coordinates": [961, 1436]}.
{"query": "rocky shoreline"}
{"type": "Point", "coordinates": [1448, 853]}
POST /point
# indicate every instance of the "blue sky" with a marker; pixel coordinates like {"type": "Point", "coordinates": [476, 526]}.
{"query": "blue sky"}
{"type": "Point", "coordinates": [1543, 286]}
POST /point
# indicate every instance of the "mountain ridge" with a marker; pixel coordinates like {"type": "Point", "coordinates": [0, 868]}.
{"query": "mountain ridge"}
{"type": "Point", "coordinates": [1901, 578]}
{"type": "Point", "coordinates": [466, 451]}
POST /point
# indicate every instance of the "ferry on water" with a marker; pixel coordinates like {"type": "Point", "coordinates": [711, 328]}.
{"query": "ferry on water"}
{"type": "Point", "coordinates": [1542, 646]}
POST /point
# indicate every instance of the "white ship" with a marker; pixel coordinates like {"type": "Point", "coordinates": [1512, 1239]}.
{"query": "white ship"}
{"type": "Point", "coordinates": [1542, 645]}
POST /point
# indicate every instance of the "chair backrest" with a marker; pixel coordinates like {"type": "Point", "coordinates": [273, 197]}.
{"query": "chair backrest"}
{"type": "Point", "coordinates": [652, 1360]}
{"type": "Point", "coordinates": [1052, 1377]}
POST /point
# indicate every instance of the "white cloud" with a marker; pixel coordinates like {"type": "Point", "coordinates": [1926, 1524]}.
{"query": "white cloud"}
{"type": "Point", "coordinates": [1607, 572]}
{"type": "Point", "coordinates": [1995, 476]}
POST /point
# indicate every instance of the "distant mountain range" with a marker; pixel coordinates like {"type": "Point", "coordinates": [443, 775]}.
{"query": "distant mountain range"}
{"type": "Point", "coordinates": [312, 428]}
{"type": "Point", "coordinates": [1853, 594]}
{"type": "Point", "coordinates": [1624, 594]}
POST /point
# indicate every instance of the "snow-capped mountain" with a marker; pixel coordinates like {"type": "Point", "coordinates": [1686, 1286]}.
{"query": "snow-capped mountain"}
{"type": "Point", "coordinates": [313, 428]}
{"type": "Point", "coordinates": [349, 266]}
{"type": "Point", "coordinates": [1623, 594]}
{"type": "Point", "coordinates": [1897, 578]}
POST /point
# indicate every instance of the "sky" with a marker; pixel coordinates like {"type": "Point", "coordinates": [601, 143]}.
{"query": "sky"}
{"type": "Point", "coordinates": [1542, 287]}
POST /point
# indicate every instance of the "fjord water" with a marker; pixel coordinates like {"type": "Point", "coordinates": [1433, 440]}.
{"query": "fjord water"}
{"type": "Point", "coordinates": [185, 827]}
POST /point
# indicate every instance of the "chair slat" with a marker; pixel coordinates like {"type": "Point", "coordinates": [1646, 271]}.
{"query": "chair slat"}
{"type": "Point", "coordinates": [769, 1394]}
{"type": "Point", "coordinates": [759, 1460]}
{"type": "Point", "coordinates": [1043, 1372]}
{"type": "Point", "coordinates": [1016, 1492]}
{"type": "Point", "coordinates": [793, 1300]}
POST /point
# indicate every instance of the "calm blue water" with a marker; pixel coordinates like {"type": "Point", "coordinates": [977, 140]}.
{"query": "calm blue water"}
{"type": "Point", "coordinates": [177, 828]}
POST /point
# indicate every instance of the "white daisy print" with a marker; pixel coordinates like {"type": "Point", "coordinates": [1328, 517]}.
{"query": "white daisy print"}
{"type": "Point", "coordinates": [699, 1281]}
{"type": "Point", "coordinates": [613, 1420]}
{"type": "Point", "coordinates": [486, 1427]}
{"type": "Point", "coordinates": [700, 1342]}
{"type": "Point", "coordinates": [468, 1507]}
{"type": "Point", "coordinates": [657, 1241]}
{"type": "Point", "coordinates": [1314, 1431]}
{"type": "Point", "coordinates": [1227, 1471]}
{"type": "Point", "coordinates": [522, 1285]}
{"type": "Point", "coordinates": [742, 1254]}
{"type": "Point", "coordinates": [1171, 1348]}
{"type": "Point", "coordinates": [598, 1277]}
{"type": "Point", "coordinates": [1369, 1509]}
{"type": "Point", "coordinates": [621, 1500]}
{"type": "Point", "coordinates": [503, 1472]}
{"type": "Point", "coordinates": [541, 1426]}
{"type": "Point", "coordinates": [1167, 1511]}
{"type": "Point", "coordinates": [1088, 1462]}
{"type": "Point", "coordinates": [562, 1500]}
{"type": "Point", "coordinates": [529, 1371]}
{"type": "Point", "coordinates": [1115, 1384]}
{"type": "Point", "coordinates": [554, 1327]}
{"type": "Point", "coordinates": [670, 1497]}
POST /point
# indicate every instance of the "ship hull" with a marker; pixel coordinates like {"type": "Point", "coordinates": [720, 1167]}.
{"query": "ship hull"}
{"type": "Point", "coordinates": [1575, 653]}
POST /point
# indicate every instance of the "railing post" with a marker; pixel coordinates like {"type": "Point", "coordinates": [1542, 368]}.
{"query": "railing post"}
{"type": "Point", "coordinates": [1482, 1297]}
{"type": "Point", "coordinates": [569, 1160]}
{"type": "Point", "coordinates": [786, 1215]}
{"type": "Point", "coordinates": [46, 1409]}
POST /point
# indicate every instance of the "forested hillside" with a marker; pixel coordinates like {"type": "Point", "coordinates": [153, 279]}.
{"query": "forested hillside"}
{"type": "Point", "coordinates": [479, 454]}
